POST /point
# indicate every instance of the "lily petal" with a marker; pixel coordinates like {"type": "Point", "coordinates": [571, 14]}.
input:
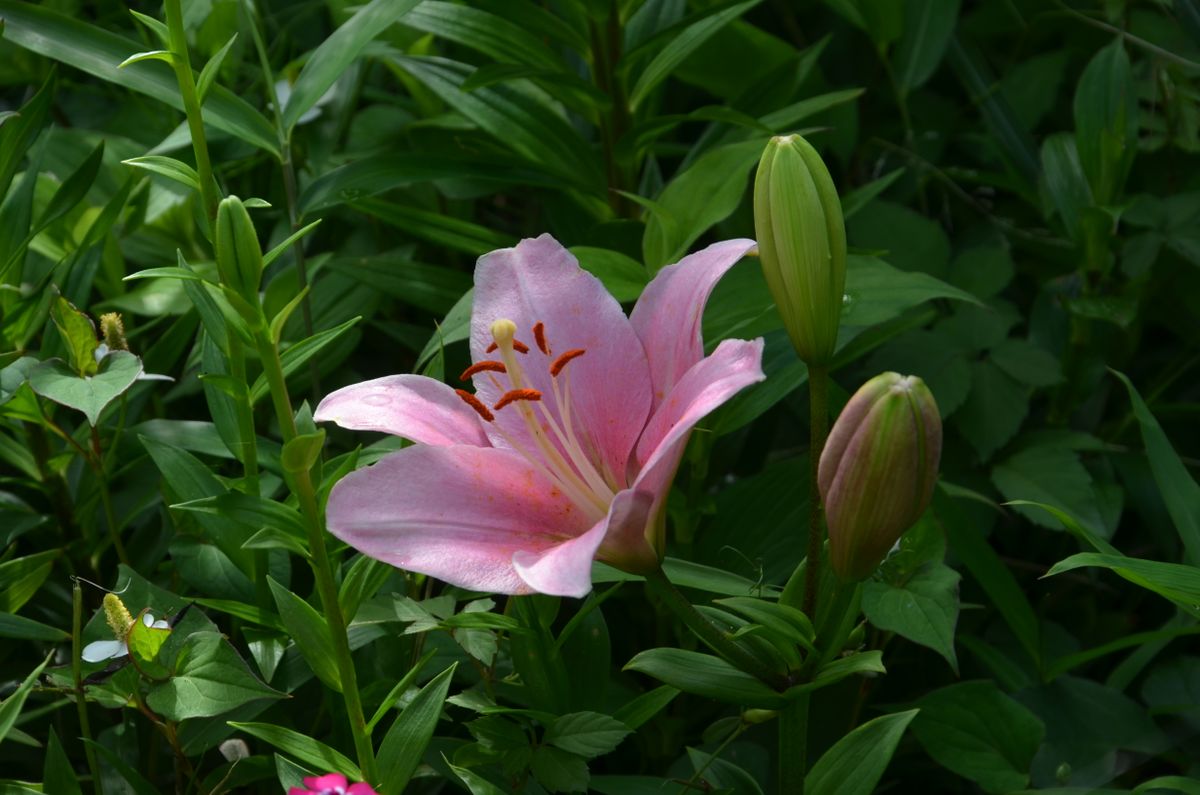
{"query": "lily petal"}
{"type": "Point", "coordinates": [667, 316]}
{"type": "Point", "coordinates": [412, 406]}
{"type": "Point", "coordinates": [101, 650]}
{"type": "Point", "coordinates": [457, 513]}
{"type": "Point", "coordinates": [733, 366]}
{"type": "Point", "coordinates": [327, 781]}
{"type": "Point", "coordinates": [539, 281]}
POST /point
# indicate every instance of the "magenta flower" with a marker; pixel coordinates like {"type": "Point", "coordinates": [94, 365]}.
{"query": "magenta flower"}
{"type": "Point", "coordinates": [567, 448]}
{"type": "Point", "coordinates": [331, 784]}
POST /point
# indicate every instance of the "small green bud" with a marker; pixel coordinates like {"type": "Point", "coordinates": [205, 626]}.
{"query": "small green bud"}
{"type": "Point", "coordinates": [802, 244]}
{"type": "Point", "coordinates": [239, 256]}
{"type": "Point", "coordinates": [878, 469]}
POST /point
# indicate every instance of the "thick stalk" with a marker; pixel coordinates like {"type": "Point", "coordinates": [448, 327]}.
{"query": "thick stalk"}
{"type": "Point", "coordinates": [708, 632]}
{"type": "Point", "coordinates": [793, 719]}
{"type": "Point", "coordinates": [310, 510]}
{"type": "Point", "coordinates": [818, 430]}
{"type": "Point", "coordinates": [177, 40]}
{"type": "Point", "coordinates": [85, 725]}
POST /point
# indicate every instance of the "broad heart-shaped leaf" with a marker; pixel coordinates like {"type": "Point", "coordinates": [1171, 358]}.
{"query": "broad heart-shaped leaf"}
{"type": "Point", "coordinates": [1175, 581]}
{"type": "Point", "coordinates": [923, 609]}
{"type": "Point", "coordinates": [559, 771]}
{"type": "Point", "coordinates": [856, 763]}
{"type": "Point", "coordinates": [54, 380]}
{"type": "Point", "coordinates": [78, 333]}
{"type": "Point", "coordinates": [993, 410]}
{"type": "Point", "coordinates": [1179, 490]}
{"type": "Point", "coordinates": [330, 60]}
{"type": "Point", "coordinates": [14, 375]}
{"type": "Point", "coordinates": [1053, 475]}
{"type": "Point", "coordinates": [586, 733]}
{"type": "Point", "coordinates": [405, 742]}
{"type": "Point", "coordinates": [705, 675]}
{"type": "Point", "coordinates": [210, 679]}
{"type": "Point", "coordinates": [975, 730]}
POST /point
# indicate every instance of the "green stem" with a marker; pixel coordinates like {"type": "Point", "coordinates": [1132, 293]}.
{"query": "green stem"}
{"type": "Point", "coordinates": [110, 517]}
{"type": "Point", "coordinates": [708, 632]}
{"type": "Point", "coordinates": [85, 725]}
{"type": "Point", "coordinates": [793, 745]}
{"type": "Point", "coordinates": [248, 455]}
{"type": "Point", "coordinates": [306, 495]}
{"type": "Point", "coordinates": [177, 41]}
{"type": "Point", "coordinates": [818, 425]}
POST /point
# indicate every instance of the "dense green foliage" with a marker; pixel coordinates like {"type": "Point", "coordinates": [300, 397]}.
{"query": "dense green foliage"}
{"type": "Point", "coordinates": [1021, 187]}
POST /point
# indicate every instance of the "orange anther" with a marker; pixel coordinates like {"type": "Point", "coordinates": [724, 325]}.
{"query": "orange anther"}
{"type": "Point", "coordinates": [539, 336]}
{"type": "Point", "coordinates": [476, 404]}
{"type": "Point", "coordinates": [484, 366]}
{"type": "Point", "coordinates": [517, 394]}
{"type": "Point", "coordinates": [518, 346]}
{"type": "Point", "coordinates": [561, 362]}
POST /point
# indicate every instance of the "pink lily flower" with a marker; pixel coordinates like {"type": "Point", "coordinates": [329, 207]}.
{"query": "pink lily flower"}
{"type": "Point", "coordinates": [567, 448]}
{"type": "Point", "coordinates": [331, 784]}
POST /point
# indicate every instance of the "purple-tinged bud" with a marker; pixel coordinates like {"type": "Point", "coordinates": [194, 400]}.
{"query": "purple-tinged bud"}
{"type": "Point", "coordinates": [878, 470]}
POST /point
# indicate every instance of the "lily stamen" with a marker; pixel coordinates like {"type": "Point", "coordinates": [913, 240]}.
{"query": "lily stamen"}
{"type": "Point", "coordinates": [518, 346]}
{"type": "Point", "coordinates": [516, 394]}
{"type": "Point", "coordinates": [561, 362]}
{"type": "Point", "coordinates": [480, 367]}
{"type": "Point", "coordinates": [476, 404]}
{"type": "Point", "coordinates": [539, 336]}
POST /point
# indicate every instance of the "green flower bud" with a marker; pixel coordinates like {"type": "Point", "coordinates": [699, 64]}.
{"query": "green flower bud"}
{"type": "Point", "coordinates": [239, 256]}
{"type": "Point", "coordinates": [878, 469]}
{"type": "Point", "coordinates": [802, 244]}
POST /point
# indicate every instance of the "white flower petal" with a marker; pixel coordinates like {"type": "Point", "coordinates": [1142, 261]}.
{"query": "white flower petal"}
{"type": "Point", "coordinates": [101, 650]}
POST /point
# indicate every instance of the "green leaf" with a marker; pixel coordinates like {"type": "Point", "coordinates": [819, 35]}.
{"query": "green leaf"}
{"type": "Point", "coordinates": [405, 743]}
{"type": "Point", "coordinates": [209, 679]}
{"type": "Point", "coordinates": [1179, 490]}
{"type": "Point", "coordinates": [73, 189]}
{"type": "Point", "coordinates": [705, 675]}
{"type": "Point", "coordinates": [588, 734]}
{"type": "Point", "coordinates": [436, 227]}
{"type": "Point", "coordinates": [476, 784]}
{"type": "Point", "coordinates": [706, 193]}
{"type": "Point", "coordinates": [683, 44]}
{"type": "Point", "coordinates": [490, 34]}
{"type": "Point", "coordinates": [97, 52]}
{"type": "Point", "coordinates": [251, 511]}
{"type": "Point", "coordinates": [167, 167]}
{"type": "Point", "coordinates": [303, 747]}
{"type": "Point", "coordinates": [209, 73]}
{"type": "Point", "coordinates": [78, 333]}
{"type": "Point", "coordinates": [1106, 121]}
{"type": "Point", "coordinates": [1027, 363]}
{"type": "Point", "coordinates": [399, 689]}
{"type": "Point", "coordinates": [923, 609]}
{"type": "Point", "coordinates": [1175, 581]}
{"type": "Point", "coordinates": [995, 752]}
{"type": "Point", "coordinates": [635, 712]}
{"type": "Point", "coordinates": [877, 292]}
{"type": "Point", "coordinates": [928, 26]}
{"type": "Point", "coordinates": [687, 574]}
{"type": "Point", "coordinates": [854, 765]}
{"type": "Point", "coordinates": [331, 59]}
{"type": "Point", "coordinates": [994, 409]}
{"type": "Point", "coordinates": [150, 55]}
{"type": "Point", "coordinates": [1053, 475]}
{"type": "Point", "coordinates": [55, 381]}
{"type": "Point", "coordinates": [302, 451]}
{"type": "Point", "coordinates": [295, 356]}
{"type": "Point", "coordinates": [559, 771]}
{"type": "Point", "coordinates": [18, 133]}
{"type": "Point", "coordinates": [622, 276]}
{"type": "Point", "coordinates": [518, 114]}
{"type": "Point", "coordinates": [146, 641]}
{"type": "Point", "coordinates": [1064, 181]}
{"type": "Point", "coordinates": [58, 775]}
{"type": "Point", "coordinates": [309, 630]}
{"type": "Point", "coordinates": [10, 708]}
{"type": "Point", "coordinates": [21, 628]}
{"type": "Point", "coordinates": [786, 622]}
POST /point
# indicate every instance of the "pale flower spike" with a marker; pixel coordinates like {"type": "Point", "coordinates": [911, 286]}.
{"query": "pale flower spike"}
{"type": "Point", "coordinates": [565, 451]}
{"type": "Point", "coordinates": [120, 622]}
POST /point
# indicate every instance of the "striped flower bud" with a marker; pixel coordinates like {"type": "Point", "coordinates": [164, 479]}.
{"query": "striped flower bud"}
{"type": "Point", "coordinates": [801, 243]}
{"type": "Point", "coordinates": [878, 469]}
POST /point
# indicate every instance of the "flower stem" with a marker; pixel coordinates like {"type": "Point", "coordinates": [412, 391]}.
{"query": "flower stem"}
{"type": "Point", "coordinates": [818, 425]}
{"type": "Point", "coordinates": [85, 725]}
{"type": "Point", "coordinates": [793, 719]}
{"type": "Point", "coordinates": [177, 41]}
{"type": "Point", "coordinates": [306, 495]}
{"type": "Point", "coordinates": [708, 632]}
